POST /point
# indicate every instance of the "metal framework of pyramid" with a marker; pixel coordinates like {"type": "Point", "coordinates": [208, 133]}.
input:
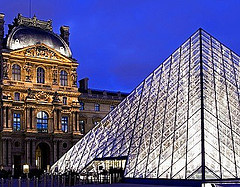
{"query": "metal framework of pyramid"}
{"type": "Point", "coordinates": [181, 122]}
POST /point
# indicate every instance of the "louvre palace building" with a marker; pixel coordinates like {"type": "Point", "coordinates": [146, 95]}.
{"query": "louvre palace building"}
{"type": "Point", "coordinates": [42, 111]}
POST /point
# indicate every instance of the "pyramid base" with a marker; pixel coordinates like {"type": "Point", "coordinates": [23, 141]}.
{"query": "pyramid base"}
{"type": "Point", "coordinates": [182, 182]}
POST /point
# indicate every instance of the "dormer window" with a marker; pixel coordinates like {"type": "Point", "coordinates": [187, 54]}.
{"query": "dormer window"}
{"type": "Point", "coordinates": [40, 75]}
{"type": "Point", "coordinates": [63, 78]}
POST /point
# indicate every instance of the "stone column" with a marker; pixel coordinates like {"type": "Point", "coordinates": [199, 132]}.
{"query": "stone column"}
{"type": "Point", "coordinates": [4, 117]}
{"type": "Point", "coordinates": [9, 118]}
{"type": "Point", "coordinates": [60, 120]}
{"type": "Point", "coordinates": [33, 153]}
{"type": "Point", "coordinates": [55, 151]}
{"type": "Point", "coordinates": [28, 151]}
{"type": "Point", "coordinates": [72, 129]}
{"type": "Point", "coordinates": [54, 119]}
{"type": "Point", "coordinates": [27, 118]}
{"type": "Point", "coordinates": [33, 120]}
{"type": "Point", "coordinates": [4, 152]}
{"type": "Point", "coordinates": [77, 122]}
{"type": "Point", "coordinates": [9, 153]}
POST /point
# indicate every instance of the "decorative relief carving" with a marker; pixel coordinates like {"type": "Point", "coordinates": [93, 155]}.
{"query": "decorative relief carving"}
{"type": "Point", "coordinates": [7, 95]}
{"type": "Point", "coordinates": [6, 67]}
{"type": "Point", "coordinates": [43, 96]}
{"type": "Point", "coordinates": [55, 74]}
{"type": "Point", "coordinates": [40, 51]}
{"type": "Point", "coordinates": [30, 94]}
{"type": "Point", "coordinates": [20, 20]}
{"type": "Point", "coordinates": [19, 108]}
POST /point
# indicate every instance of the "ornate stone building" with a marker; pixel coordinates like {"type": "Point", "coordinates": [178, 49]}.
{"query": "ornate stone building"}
{"type": "Point", "coordinates": [95, 104]}
{"type": "Point", "coordinates": [42, 111]}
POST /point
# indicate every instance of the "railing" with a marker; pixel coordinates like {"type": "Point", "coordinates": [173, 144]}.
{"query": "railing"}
{"type": "Point", "coordinates": [49, 181]}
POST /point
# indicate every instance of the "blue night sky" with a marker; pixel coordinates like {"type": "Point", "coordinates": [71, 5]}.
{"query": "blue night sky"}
{"type": "Point", "coordinates": [119, 42]}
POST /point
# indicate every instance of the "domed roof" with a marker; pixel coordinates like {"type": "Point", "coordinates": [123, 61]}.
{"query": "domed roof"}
{"type": "Point", "coordinates": [23, 36]}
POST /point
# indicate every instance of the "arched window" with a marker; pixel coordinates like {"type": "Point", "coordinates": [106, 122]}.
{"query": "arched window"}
{"type": "Point", "coordinates": [42, 122]}
{"type": "Point", "coordinates": [63, 78]}
{"type": "Point", "coordinates": [16, 72]}
{"type": "Point", "coordinates": [40, 75]}
{"type": "Point", "coordinates": [17, 96]}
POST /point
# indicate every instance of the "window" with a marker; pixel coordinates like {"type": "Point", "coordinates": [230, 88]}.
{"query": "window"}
{"type": "Point", "coordinates": [112, 107]}
{"type": "Point", "coordinates": [42, 122]}
{"type": "Point", "coordinates": [63, 78]}
{"type": "Point", "coordinates": [81, 106]}
{"type": "Point", "coordinates": [97, 107]}
{"type": "Point", "coordinates": [65, 100]}
{"type": "Point", "coordinates": [17, 96]}
{"type": "Point", "coordinates": [82, 126]}
{"type": "Point", "coordinates": [40, 75]}
{"type": "Point", "coordinates": [16, 122]}
{"type": "Point", "coordinates": [64, 123]}
{"type": "Point", "coordinates": [16, 72]}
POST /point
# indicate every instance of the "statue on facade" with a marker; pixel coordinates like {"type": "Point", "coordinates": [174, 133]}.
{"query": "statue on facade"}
{"type": "Point", "coordinates": [74, 77]}
{"type": "Point", "coordinates": [55, 74]}
{"type": "Point", "coordinates": [28, 69]}
{"type": "Point", "coordinates": [55, 97]}
{"type": "Point", "coordinates": [6, 67]}
{"type": "Point", "coordinates": [30, 94]}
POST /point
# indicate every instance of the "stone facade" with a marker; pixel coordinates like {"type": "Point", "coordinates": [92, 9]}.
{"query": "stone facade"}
{"type": "Point", "coordinates": [96, 104]}
{"type": "Point", "coordinates": [40, 105]}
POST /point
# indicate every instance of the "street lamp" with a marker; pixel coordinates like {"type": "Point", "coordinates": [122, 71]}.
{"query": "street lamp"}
{"type": "Point", "coordinates": [26, 169]}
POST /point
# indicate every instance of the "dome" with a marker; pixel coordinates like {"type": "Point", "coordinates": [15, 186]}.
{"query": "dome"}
{"type": "Point", "coordinates": [23, 36]}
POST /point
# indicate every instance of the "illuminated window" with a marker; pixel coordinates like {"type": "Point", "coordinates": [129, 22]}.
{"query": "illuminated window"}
{"type": "Point", "coordinates": [16, 72]}
{"type": "Point", "coordinates": [63, 78]}
{"type": "Point", "coordinates": [16, 122]}
{"type": "Point", "coordinates": [81, 106]}
{"type": "Point", "coordinates": [82, 126]}
{"type": "Point", "coordinates": [64, 123]}
{"type": "Point", "coordinates": [42, 122]}
{"type": "Point", "coordinates": [97, 107]}
{"type": "Point", "coordinates": [17, 96]}
{"type": "Point", "coordinates": [40, 75]}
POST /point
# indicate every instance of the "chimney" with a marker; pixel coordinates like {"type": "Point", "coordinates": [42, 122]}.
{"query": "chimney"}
{"type": "Point", "coordinates": [1, 30]}
{"type": "Point", "coordinates": [83, 84]}
{"type": "Point", "coordinates": [64, 30]}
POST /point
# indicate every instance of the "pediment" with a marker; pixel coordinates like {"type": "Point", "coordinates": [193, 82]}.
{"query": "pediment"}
{"type": "Point", "coordinates": [40, 51]}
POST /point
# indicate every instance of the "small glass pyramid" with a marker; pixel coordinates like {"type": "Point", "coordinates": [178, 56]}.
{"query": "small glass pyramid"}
{"type": "Point", "coordinates": [181, 122]}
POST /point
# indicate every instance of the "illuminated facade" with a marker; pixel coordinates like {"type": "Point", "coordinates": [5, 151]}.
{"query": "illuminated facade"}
{"type": "Point", "coordinates": [42, 111]}
{"type": "Point", "coordinates": [181, 122]}
{"type": "Point", "coordinates": [37, 73]}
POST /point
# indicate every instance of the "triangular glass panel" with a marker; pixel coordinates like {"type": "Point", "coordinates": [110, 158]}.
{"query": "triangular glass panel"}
{"type": "Point", "coordinates": [182, 119]}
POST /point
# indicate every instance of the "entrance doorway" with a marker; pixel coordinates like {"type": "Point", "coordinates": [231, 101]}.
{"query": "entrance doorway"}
{"type": "Point", "coordinates": [17, 165]}
{"type": "Point", "coordinates": [42, 156]}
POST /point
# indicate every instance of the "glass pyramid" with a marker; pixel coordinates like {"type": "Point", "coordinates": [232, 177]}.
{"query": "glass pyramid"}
{"type": "Point", "coordinates": [181, 122]}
